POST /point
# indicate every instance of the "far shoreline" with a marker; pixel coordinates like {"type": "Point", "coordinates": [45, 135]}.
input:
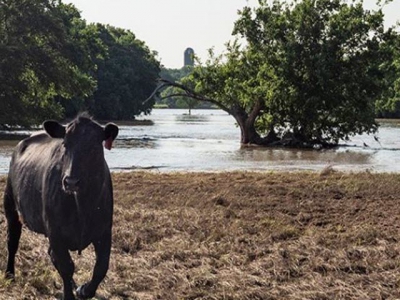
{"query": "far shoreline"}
{"type": "Point", "coordinates": [16, 134]}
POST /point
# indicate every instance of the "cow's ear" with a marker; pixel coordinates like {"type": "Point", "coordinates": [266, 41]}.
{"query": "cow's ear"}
{"type": "Point", "coordinates": [110, 133]}
{"type": "Point", "coordinates": [54, 129]}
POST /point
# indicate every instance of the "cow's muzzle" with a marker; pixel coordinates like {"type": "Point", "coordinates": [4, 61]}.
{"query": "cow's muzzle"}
{"type": "Point", "coordinates": [70, 184]}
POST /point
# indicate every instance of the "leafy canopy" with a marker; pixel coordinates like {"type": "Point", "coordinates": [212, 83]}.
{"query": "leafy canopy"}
{"type": "Point", "coordinates": [43, 54]}
{"type": "Point", "coordinates": [307, 68]}
{"type": "Point", "coordinates": [125, 76]}
{"type": "Point", "coordinates": [54, 64]}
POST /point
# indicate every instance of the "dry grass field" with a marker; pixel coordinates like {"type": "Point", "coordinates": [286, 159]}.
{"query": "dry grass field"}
{"type": "Point", "coordinates": [236, 236]}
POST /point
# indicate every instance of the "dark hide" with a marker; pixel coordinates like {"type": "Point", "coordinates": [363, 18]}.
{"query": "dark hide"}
{"type": "Point", "coordinates": [59, 184]}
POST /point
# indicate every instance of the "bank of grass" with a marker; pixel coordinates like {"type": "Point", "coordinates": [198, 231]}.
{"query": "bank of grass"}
{"type": "Point", "coordinates": [236, 236]}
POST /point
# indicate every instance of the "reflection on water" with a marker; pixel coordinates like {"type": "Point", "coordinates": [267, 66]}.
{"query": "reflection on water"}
{"type": "Point", "coordinates": [6, 147]}
{"type": "Point", "coordinates": [287, 155]}
{"type": "Point", "coordinates": [186, 118]}
{"type": "Point", "coordinates": [292, 157]}
{"type": "Point", "coordinates": [135, 143]}
{"type": "Point", "coordinates": [208, 140]}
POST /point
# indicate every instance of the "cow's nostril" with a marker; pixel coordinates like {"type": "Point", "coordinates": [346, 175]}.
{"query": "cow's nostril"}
{"type": "Point", "coordinates": [70, 184]}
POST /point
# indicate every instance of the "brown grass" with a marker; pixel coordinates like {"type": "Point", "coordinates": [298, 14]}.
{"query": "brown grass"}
{"type": "Point", "coordinates": [236, 236]}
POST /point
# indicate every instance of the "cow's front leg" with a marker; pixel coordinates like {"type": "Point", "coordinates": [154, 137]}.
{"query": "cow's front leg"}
{"type": "Point", "coordinates": [102, 248]}
{"type": "Point", "coordinates": [13, 231]}
{"type": "Point", "coordinates": [65, 266]}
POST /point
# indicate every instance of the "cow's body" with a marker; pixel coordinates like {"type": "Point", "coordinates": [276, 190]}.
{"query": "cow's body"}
{"type": "Point", "coordinates": [61, 187]}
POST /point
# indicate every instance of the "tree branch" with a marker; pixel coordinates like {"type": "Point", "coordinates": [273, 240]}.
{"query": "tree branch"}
{"type": "Point", "coordinates": [255, 110]}
{"type": "Point", "coordinates": [157, 89]}
{"type": "Point", "coordinates": [174, 95]}
{"type": "Point", "coordinates": [188, 93]}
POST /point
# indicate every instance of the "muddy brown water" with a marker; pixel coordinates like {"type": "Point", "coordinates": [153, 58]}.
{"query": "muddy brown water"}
{"type": "Point", "coordinates": [208, 140]}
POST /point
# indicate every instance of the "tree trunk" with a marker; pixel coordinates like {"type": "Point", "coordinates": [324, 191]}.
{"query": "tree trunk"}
{"type": "Point", "coordinates": [246, 122]}
{"type": "Point", "coordinates": [248, 133]}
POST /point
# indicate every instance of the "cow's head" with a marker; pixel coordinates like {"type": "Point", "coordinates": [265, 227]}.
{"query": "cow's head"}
{"type": "Point", "coordinates": [83, 155]}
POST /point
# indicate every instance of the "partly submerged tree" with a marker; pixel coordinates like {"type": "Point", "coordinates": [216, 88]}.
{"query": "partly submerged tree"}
{"type": "Point", "coordinates": [308, 73]}
{"type": "Point", "coordinates": [388, 105]}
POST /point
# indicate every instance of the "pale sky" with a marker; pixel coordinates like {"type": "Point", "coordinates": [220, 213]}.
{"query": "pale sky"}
{"type": "Point", "coordinates": [171, 26]}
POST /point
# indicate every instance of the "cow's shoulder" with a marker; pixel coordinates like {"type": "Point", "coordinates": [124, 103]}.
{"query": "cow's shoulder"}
{"type": "Point", "coordinates": [36, 140]}
{"type": "Point", "coordinates": [37, 150]}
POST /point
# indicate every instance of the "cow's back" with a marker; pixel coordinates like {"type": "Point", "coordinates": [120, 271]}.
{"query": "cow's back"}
{"type": "Point", "coordinates": [34, 159]}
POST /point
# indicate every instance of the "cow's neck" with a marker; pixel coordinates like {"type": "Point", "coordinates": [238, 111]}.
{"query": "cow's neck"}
{"type": "Point", "coordinates": [91, 197]}
{"type": "Point", "coordinates": [89, 201]}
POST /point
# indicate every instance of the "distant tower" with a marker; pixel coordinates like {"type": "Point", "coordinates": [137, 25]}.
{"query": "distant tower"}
{"type": "Point", "coordinates": [189, 57]}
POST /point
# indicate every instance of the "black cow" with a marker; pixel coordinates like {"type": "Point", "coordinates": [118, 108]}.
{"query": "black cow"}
{"type": "Point", "coordinates": [59, 185]}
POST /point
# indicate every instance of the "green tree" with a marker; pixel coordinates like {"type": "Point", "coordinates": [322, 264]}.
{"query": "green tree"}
{"type": "Point", "coordinates": [125, 77]}
{"type": "Point", "coordinates": [308, 72]}
{"type": "Point", "coordinates": [388, 105]}
{"type": "Point", "coordinates": [40, 59]}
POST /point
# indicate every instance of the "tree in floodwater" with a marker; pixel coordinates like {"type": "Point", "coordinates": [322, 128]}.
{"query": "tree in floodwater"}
{"type": "Point", "coordinates": [41, 57]}
{"type": "Point", "coordinates": [307, 74]}
{"type": "Point", "coordinates": [388, 105]}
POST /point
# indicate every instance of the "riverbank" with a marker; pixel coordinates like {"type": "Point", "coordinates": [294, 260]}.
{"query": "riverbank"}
{"type": "Point", "coordinates": [238, 236]}
{"type": "Point", "coordinates": [16, 135]}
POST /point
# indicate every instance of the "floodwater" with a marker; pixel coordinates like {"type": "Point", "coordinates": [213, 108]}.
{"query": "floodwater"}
{"type": "Point", "coordinates": [209, 140]}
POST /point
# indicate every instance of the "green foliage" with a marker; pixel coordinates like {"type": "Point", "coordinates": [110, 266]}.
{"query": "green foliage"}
{"type": "Point", "coordinates": [173, 96]}
{"type": "Point", "coordinates": [42, 55]}
{"type": "Point", "coordinates": [175, 74]}
{"type": "Point", "coordinates": [125, 76]}
{"type": "Point", "coordinates": [53, 64]}
{"type": "Point", "coordinates": [388, 105]}
{"type": "Point", "coordinates": [309, 69]}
